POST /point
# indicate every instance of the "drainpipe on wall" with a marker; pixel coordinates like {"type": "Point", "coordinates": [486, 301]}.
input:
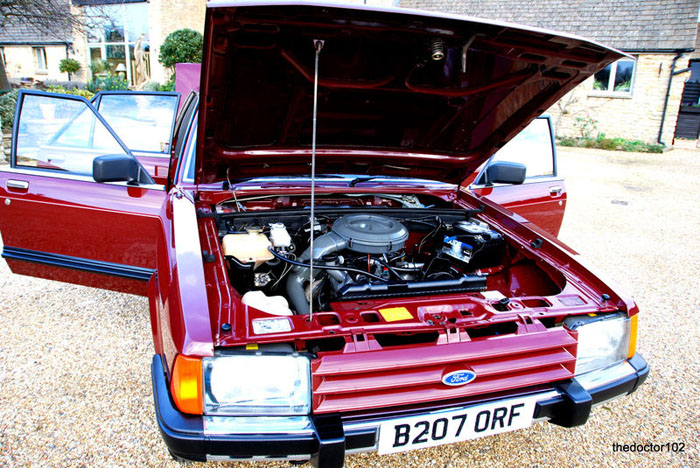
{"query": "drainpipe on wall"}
{"type": "Point", "coordinates": [68, 56]}
{"type": "Point", "coordinates": [668, 92]}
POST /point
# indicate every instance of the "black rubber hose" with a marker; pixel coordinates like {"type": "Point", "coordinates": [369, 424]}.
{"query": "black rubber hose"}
{"type": "Point", "coordinates": [326, 267]}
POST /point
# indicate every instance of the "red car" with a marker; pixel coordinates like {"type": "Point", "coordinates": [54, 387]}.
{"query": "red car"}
{"type": "Point", "coordinates": [325, 270]}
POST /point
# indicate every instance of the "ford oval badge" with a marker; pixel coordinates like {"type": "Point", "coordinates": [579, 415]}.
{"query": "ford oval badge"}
{"type": "Point", "coordinates": [460, 377]}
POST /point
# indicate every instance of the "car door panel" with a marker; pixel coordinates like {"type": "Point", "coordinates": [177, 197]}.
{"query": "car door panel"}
{"type": "Point", "coordinates": [64, 226]}
{"type": "Point", "coordinates": [105, 229]}
{"type": "Point", "coordinates": [144, 120]}
{"type": "Point", "coordinates": [533, 201]}
{"type": "Point", "coordinates": [541, 199]}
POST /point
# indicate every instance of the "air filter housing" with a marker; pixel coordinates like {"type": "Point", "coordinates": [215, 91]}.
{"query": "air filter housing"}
{"type": "Point", "coordinates": [371, 234]}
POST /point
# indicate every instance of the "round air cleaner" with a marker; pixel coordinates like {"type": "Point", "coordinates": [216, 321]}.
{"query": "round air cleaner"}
{"type": "Point", "coordinates": [371, 234]}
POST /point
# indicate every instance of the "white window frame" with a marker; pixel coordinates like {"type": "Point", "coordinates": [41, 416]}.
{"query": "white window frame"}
{"type": "Point", "coordinates": [610, 92]}
{"type": "Point", "coordinates": [40, 53]}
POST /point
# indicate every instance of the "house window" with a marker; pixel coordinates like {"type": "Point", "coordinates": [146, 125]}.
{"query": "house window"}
{"type": "Point", "coordinates": [118, 40]}
{"type": "Point", "coordinates": [2, 56]}
{"type": "Point", "coordinates": [615, 79]}
{"type": "Point", "coordinates": [694, 71]}
{"type": "Point", "coordinates": [40, 54]}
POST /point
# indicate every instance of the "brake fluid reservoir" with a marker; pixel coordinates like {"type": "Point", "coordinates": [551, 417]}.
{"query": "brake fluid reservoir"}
{"type": "Point", "coordinates": [279, 236]}
{"type": "Point", "coordinates": [248, 248]}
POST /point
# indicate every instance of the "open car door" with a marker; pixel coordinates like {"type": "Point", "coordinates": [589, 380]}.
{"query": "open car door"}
{"type": "Point", "coordinates": [541, 198]}
{"type": "Point", "coordinates": [144, 121]}
{"type": "Point", "coordinates": [56, 220]}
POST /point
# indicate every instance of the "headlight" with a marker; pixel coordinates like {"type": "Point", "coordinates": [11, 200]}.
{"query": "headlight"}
{"type": "Point", "coordinates": [603, 340]}
{"type": "Point", "coordinates": [257, 384]}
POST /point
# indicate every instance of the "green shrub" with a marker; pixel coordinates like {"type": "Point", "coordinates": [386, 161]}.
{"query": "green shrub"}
{"type": "Point", "coordinates": [612, 144]}
{"type": "Point", "coordinates": [74, 91]}
{"type": "Point", "coordinates": [586, 125]}
{"type": "Point", "coordinates": [181, 46]}
{"type": "Point", "coordinates": [108, 83]}
{"type": "Point", "coordinates": [168, 85]}
{"type": "Point", "coordinates": [100, 66]}
{"type": "Point", "coordinates": [151, 86]}
{"type": "Point", "coordinates": [69, 65]}
{"type": "Point", "coordinates": [566, 141]}
{"type": "Point", "coordinates": [8, 102]}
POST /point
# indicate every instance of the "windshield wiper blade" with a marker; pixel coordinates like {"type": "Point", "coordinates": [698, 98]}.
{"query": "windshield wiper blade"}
{"type": "Point", "coordinates": [357, 180]}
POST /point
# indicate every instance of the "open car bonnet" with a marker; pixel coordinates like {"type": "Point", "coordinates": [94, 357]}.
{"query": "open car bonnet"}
{"type": "Point", "coordinates": [400, 92]}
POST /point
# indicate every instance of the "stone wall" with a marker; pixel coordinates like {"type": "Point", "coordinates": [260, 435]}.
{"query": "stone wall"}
{"type": "Point", "coordinates": [166, 16]}
{"type": "Point", "coordinates": [21, 62]}
{"type": "Point", "coordinates": [636, 117]}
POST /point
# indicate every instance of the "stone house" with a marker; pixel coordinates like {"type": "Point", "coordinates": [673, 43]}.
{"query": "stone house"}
{"type": "Point", "coordinates": [29, 53]}
{"type": "Point", "coordinates": [127, 34]}
{"type": "Point", "coordinates": [637, 98]}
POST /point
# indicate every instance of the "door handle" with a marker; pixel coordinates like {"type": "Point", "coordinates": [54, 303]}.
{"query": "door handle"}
{"type": "Point", "coordinates": [555, 191]}
{"type": "Point", "coordinates": [17, 184]}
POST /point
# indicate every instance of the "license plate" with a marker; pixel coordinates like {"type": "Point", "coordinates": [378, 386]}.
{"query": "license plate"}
{"type": "Point", "coordinates": [429, 430]}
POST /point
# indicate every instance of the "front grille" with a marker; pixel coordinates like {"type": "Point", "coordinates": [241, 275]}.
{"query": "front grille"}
{"type": "Point", "coordinates": [413, 374]}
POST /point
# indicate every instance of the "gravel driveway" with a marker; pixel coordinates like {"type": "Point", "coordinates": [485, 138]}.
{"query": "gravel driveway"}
{"type": "Point", "coordinates": [75, 386]}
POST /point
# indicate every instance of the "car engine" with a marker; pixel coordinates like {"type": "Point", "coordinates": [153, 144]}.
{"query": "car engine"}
{"type": "Point", "coordinates": [355, 256]}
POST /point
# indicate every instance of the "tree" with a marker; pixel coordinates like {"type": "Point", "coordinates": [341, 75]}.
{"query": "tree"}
{"type": "Point", "coordinates": [52, 17]}
{"type": "Point", "coordinates": [70, 66]}
{"type": "Point", "coordinates": [181, 46]}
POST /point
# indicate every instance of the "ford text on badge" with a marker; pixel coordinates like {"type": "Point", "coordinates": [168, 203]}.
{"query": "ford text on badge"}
{"type": "Point", "coordinates": [460, 377]}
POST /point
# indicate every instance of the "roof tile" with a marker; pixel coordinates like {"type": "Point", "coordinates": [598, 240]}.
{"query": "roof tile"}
{"type": "Point", "coordinates": [627, 25]}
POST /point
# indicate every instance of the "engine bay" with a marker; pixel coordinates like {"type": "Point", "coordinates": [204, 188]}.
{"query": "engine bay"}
{"type": "Point", "coordinates": [370, 253]}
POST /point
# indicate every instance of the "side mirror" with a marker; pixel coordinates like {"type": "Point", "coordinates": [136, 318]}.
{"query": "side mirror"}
{"type": "Point", "coordinates": [504, 172]}
{"type": "Point", "coordinates": [119, 168]}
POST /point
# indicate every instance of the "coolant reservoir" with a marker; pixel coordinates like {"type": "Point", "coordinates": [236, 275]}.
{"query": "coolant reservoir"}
{"type": "Point", "coordinates": [247, 248]}
{"type": "Point", "coordinates": [276, 305]}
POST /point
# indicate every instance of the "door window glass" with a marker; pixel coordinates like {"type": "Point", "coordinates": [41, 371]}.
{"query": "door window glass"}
{"type": "Point", "coordinates": [532, 147]}
{"type": "Point", "coordinates": [61, 134]}
{"type": "Point", "coordinates": [143, 121]}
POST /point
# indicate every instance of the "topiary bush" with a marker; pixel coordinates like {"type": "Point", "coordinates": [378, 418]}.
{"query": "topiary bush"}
{"type": "Point", "coordinates": [69, 65]}
{"type": "Point", "coordinates": [181, 46]}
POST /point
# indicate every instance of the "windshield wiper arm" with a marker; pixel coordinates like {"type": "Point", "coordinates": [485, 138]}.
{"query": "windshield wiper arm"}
{"type": "Point", "coordinates": [357, 180]}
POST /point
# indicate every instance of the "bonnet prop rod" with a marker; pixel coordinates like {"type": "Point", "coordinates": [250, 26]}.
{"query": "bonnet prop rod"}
{"type": "Point", "coordinates": [318, 45]}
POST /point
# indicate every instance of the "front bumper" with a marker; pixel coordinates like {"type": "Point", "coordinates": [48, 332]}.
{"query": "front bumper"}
{"type": "Point", "coordinates": [325, 439]}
